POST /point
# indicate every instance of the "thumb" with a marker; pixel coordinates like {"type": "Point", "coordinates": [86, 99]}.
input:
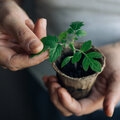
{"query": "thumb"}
{"type": "Point", "coordinates": [112, 95]}
{"type": "Point", "coordinates": [26, 38]}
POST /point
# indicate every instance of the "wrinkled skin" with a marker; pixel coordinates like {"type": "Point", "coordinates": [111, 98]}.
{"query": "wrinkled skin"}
{"type": "Point", "coordinates": [105, 93]}
{"type": "Point", "coordinates": [19, 37]}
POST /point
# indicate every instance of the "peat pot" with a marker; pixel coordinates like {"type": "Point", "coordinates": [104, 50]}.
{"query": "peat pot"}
{"type": "Point", "coordinates": [78, 86]}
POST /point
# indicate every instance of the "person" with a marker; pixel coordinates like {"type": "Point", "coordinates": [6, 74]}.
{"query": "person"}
{"type": "Point", "coordinates": [19, 37]}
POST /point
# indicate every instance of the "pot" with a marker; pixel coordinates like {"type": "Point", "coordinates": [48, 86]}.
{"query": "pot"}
{"type": "Point", "coordinates": [77, 87]}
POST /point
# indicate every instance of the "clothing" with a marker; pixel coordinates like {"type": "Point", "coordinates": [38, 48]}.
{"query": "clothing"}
{"type": "Point", "coordinates": [101, 18]}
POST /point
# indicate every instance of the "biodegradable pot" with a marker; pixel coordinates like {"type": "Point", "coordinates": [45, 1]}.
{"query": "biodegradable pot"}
{"type": "Point", "coordinates": [77, 87]}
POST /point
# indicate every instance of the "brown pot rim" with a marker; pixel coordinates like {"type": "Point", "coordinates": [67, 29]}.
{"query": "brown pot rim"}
{"type": "Point", "coordinates": [72, 78]}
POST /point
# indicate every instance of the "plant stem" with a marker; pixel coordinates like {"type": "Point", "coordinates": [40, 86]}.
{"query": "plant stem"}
{"type": "Point", "coordinates": [83, 53]}
{"type": "Point", "coordinates": [74, 48]}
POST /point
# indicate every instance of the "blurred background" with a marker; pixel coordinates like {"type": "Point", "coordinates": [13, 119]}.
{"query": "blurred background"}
{"type": "Point", "coordinates": [23, 98]}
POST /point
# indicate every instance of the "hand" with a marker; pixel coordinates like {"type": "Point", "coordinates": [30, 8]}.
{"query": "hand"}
{"type": "Point", "coordinates": [19, 37]}
{"type": "Point", "coordinates": [105, 93]}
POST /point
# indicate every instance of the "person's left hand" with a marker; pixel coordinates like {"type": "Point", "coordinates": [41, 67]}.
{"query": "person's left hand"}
{"type": "Point", "coordinates": [105, 93]}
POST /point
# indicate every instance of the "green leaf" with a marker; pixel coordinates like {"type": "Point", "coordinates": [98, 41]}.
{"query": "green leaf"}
{"type": "Point", "coordinates": [70, 31]}
{"type": "Point", "coordinates": [43, 50]}
{"type": "Point", "coordinates": [65, 61]}
{"type": "Point", "coordinates": [76, 25]}
{"type": "Point", "coordinates": [95, 65]}
{"type": "Point", "coordinates": [86, 46]}
{"type": "Point", "coordinates": [85, 63]}
{"type": "Point", "coordinates": [94, 55]}
{"type": "Point", "coordinates": [55, 52]}
{"type": "Point", "coordinates": [76, 57]}
{"type": "Point", "coordinates": [72, 46]}
{"type": "Point", "coordinates": [49, 41]}
{"type": "Point", "coordinates": [75, 38]}
{"type": "Point", "coordinates": [81, 33]}
{"type": "Point", "coordinates": [62, 36]}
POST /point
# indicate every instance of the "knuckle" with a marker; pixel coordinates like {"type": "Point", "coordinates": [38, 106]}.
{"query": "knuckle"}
{"type": "Point", "coordinates": [66, 114]}
{"type": "Point", "coordinates": [51, 86]}
{"type": "Point", "coordinates": [12, 65]}
{"type": "Point", "coordinates": [77, 114]}
{"type": "Point", "coordinates": [53, 100]}
{"type": "Point", "coordinates": [21, 33]}
{"type": "Point", "coordinates": [12, 68]}
{"type": "Point", "coordinates": [116, 75]}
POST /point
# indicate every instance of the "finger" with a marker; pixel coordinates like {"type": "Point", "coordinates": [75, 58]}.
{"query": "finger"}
{"type": "Point", "coordinates": [12, 60]}
{"type": "Point", "coordinates": [68, 102]}
{"type": "Point", "coordinates": [7, 43]}
{"type": "Point", "coordinates": [81, 107]}
{"type": "Point", "coordinates": [40, 28]}
{"type": "Point", "coordinates": [16, 64]}
{"type": "Point", "coordinates": [6, 55]}
{"type": "Point", "coordinates": [30, 24]}
{"type": "Point", "coordinates": [53, 87]}
{"type": "Point", "coordinates": [4, 36]}
{"type": "Point", "coordinates": [112, 95]}
{"type": "Point", "coordinates": [26, 38]}
{"type": "Point", "coordinates": [51, 79]}
{"type": "Point", "coordinates": [47, 79]}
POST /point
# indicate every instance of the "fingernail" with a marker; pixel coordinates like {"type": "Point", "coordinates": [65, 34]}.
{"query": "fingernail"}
{"type": "Point", "coordinates": [111, 111]}
{"type": "Point", "coordinates": [35, 46]}
{"type": "Point", "coordinates": [43, 23]}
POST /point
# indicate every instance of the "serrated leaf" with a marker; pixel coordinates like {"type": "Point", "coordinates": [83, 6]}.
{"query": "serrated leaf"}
{"type": "Point", "coordinates": [49, 41]}
{"type": "Point", "coordinates": [70, 31]}
{"type": "Point", "coordinates": [65, 61]}
{"type": "Point", "coordinates": [72, 46]}
{"type": "Point", "coordinates": [55, 52]}
{"type": "Point", "coordinates": [62, 36]}
{"type": "Point", "coordinates": [95, 65]}
{"type": "Point", "coordinates": [85, 63]}
{"type": "Point", "coordinates": [86, 46]}
{"type": "Point", "coordinates": [94, 55]}
{"type": "Point", "coordinates": [81, 33]}
{"type": "Point", "coordinates": [76, 25]}
{"type": "Point", "coordinates": [76, 57]}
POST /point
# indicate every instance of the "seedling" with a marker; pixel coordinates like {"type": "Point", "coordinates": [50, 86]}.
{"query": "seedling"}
{"type": "Point", "coordinates": [67, 38]}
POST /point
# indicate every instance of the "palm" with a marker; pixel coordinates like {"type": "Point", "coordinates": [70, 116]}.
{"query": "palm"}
{"type": "Point", "coordinates": [105, 92]}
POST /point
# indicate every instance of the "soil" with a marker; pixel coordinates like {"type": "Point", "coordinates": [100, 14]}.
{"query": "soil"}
{"type": "Point", "coordinates": [71, 70]}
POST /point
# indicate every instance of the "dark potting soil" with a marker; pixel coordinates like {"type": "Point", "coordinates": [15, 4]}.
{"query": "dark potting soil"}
{"type": "Point", "coordinates": [72, 70]}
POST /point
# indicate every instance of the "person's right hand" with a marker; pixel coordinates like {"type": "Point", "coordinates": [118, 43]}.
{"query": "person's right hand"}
{"type": "Point", "coordinates": [19, 37]}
